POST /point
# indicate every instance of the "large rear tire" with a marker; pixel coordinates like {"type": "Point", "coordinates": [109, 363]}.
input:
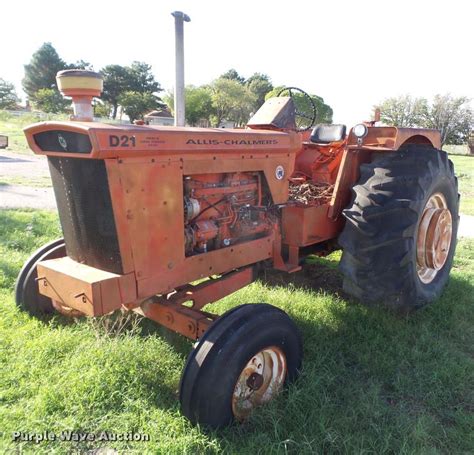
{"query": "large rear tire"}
{"type": "Point", "coordinates": [401, 228]}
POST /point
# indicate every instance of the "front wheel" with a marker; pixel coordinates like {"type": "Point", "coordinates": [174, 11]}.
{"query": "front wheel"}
{"type": "Point", "coordinates": [241, 362]}
{"type": "Point", "coordinates": [401, 228]}
{"type": "Point", "coordinates": [27, 295]}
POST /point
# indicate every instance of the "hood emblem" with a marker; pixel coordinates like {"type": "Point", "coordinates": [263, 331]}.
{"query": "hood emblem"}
{"type": "Point", "coordinates": [62, 142]}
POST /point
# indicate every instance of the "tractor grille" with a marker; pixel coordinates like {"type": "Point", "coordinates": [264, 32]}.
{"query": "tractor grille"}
{"type": "Point", "coordinates": [85, 211]}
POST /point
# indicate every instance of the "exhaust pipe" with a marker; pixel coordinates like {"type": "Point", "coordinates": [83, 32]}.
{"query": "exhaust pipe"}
{"type": "Point", "coordinates": [179, 109]}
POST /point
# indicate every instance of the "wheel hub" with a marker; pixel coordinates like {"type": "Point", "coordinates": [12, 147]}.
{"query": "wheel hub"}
{"type": "Point", "coordinates": [434, 238]}
{"type": "Point", "coordinates": [260, 380]}
{"type": "Point", "coordinates": [255, 381]}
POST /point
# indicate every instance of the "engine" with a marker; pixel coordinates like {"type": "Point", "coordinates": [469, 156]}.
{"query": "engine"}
{"type": "Point", "coordinates": [224, 209]}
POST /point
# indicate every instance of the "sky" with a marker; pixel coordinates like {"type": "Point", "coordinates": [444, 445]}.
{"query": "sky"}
{"type": "Point", "coordinates": [352, 53]}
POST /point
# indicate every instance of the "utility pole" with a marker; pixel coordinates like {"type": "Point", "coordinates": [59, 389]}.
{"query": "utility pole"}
{"type": "Point", "coordinates": [179, 114]}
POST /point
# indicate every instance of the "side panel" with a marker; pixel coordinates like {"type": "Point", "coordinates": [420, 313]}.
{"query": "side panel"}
{"type": "Point", "coordinates": [303, 226]}
{"type": "Point", "coordinates": [153, 209]}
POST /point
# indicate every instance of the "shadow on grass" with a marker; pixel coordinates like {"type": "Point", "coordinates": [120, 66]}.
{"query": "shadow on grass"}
{"type": "Point", "coordinates": [320, 276]}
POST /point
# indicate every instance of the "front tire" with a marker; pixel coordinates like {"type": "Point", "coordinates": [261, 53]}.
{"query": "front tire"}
{"type": "Point", "coordinates": [241, 362]}
{"type": "Point", "coordinates": [27, 295]}
{"type": "Point", "coordinates": [401, 228]}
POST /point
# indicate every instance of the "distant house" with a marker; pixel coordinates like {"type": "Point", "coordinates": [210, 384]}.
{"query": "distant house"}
{"type": "Point", "coordinates": [162, 117]}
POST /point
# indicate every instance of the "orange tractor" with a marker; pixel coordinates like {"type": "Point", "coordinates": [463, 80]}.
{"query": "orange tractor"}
{"type": "Point", "coordinates": [166, 220]}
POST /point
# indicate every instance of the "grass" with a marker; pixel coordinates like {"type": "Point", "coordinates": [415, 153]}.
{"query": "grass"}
{"type": "Point", "coordinates": [13, 126]}
{"type": "Point", "coordinates": [42, 181]}
{"type": "Point", "coordinates": [464, 167]}
{"type": "Point", "coordinates": [371, 382]}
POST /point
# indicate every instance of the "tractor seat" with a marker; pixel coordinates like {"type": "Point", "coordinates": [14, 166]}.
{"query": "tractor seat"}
{"type": "Point", "coordinates": [324, 133]}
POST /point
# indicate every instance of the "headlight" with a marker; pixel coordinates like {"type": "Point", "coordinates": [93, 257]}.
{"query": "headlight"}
{"type": "Point", "coordinates": [360, 130]}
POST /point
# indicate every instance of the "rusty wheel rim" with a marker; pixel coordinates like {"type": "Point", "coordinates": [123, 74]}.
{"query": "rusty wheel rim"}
{"type": "Point", "coordinates": [259, 382]}
{"type": "Point", "coordinates": [434, 237]}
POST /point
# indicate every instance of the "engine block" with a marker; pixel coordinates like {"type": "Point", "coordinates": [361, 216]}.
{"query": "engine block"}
{"type": "Point", "coordinates": [224, 209]}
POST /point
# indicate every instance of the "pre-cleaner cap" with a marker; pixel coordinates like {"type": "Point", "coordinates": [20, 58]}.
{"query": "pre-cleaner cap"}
{"type": "Point", "coordinates": [81, 86]}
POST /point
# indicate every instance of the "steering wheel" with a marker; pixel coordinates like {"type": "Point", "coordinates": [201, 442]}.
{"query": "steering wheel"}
{"type": "Point", "coordinates": [305, 109]}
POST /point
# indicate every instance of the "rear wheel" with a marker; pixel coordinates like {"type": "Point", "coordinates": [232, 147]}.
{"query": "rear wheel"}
{"type": "Point", "coordinates": [400, 233]}
{"type": "Point", "coordinates": [241, 362]}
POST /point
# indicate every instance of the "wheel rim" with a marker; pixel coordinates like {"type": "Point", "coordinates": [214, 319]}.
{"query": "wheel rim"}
{"type": "Point", "coordinates": [260, 380]}
{"type": "Point", "coordinates": [434, 238]}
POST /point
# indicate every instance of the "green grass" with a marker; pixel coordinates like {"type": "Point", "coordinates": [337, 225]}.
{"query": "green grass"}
{"type": "Point", "coordinates": [464, 168]}
{"type": "Point", "coordinates": [371, 382]}
{"type": "Point", "coordinates": [33, 181]}
{"type": "Point", "coordinates": [13, 127]}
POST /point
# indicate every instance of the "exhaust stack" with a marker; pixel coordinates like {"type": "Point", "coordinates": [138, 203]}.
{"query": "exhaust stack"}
{"type": "Point", "coordinates": [179, 117]}
{"type": "Point", "coordinates": [81, 86]}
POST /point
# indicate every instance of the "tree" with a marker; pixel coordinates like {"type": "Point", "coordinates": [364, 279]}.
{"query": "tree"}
{"type": "Point", "coordinates": [81, 65]}
{"type": "Point", "coordinates": [136, 104]}
{"type": "Point", "coordinates": [142, 79]}
{"type": "Point", "coordinates": [233, 75]}
{"type": "Point", "coordinates": [323, 111]}
{"type": "Point", "coordinates": [198, 104]}
{"type": "Point", "coordinates": [452, 116]}
{"type": "Point", "coordinates": [50, 100]}
{"type": "Point", "coordinates": [231, 101]}
{"type": "Point", "coordinates": [259, 84]}
{"type": "Point", "coordinates": [402, 111]}
{"type": "Point", "coordinates": [120, 79]}
{"type": "Point", "coordinates": [101, 108]}
{"type": "Point", "coordinates": [41, 71]}
{"type": "Point", "coordinates": [8, 96]}
{"type": "Point", "coordinates": [116, 82]}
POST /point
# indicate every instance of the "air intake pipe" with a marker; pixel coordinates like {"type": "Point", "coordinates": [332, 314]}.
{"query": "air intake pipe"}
{"type": "Point", "coordinates": [82, 86]}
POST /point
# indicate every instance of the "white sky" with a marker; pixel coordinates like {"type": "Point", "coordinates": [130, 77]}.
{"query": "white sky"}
{"type": "Point", "coordinates": [352, 53]}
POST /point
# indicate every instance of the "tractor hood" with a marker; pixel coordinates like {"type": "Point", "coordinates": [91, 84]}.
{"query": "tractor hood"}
{"type": "Point", "coordinates": [99, 140]}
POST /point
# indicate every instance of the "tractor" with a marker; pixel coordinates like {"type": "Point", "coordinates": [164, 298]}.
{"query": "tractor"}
{"type": "Point", "coordinates": [164, 221]}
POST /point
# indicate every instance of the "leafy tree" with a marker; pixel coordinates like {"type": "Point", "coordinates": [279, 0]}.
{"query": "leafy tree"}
{"type": "Point", "coordinates": [231, 101]}
{"type": "Point", "coordinates": [8, 96]}
{"type": "Point", "coordinates": [120, 79]}
{"type": "Point", "coordinates": [142, 79]}
{"type": "Point", "coordinates": [50, 100]}
{"type": "Point", "coordinates": [233, 75]}
{"type": "Point", "coordinates": [41, 71]}
{"type": "Point", "coordinates": [198, 104]}
{"type": "Point", "coordinates": [403, 111]}
{"type": "Point", "coordinates": [81, 65]}
{"type": "Point", "coordinates": [452, 116]}
{"type": "Point", "coordinates": [323, 111]}
{"type": "Point", "coordinates": [101, 108]}
{"type": "Point", "coordinates": [136, 104]}
{"type": "Point", "coordinates": [259, 84]}
{"type": "Point", "coordinates": [117, 80]}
